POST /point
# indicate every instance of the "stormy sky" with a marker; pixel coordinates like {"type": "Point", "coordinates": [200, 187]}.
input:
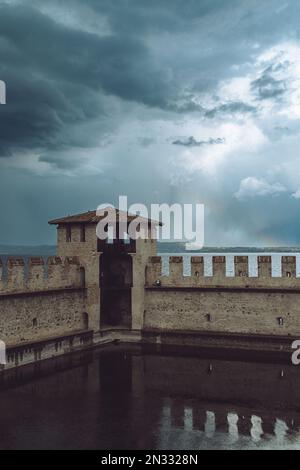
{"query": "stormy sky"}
{"type": "Point", "coordinates": [189, 101]}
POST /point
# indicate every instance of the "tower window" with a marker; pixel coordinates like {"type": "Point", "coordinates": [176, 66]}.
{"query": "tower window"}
{"type": "Point", "coordinates": [82, 233]}
{"type": "Point", "coordinates": [82, 277]}
{"type": "Point", "coordinates": [68, 234]}
{"type": "Point", "coordinates": [34, 322]}
{"type": "Point", "coordinates": [280, 321]}
{"type": "Point", "coordinates": [288, 274]}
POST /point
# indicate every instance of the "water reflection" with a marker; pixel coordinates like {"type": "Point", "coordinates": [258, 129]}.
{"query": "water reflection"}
{"type": "Point", "coordinates": [226, 431]}
{"type": "Point", "coordinates": [126, 399]}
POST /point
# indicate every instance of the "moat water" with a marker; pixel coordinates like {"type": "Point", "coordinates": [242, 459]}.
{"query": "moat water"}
{"type": "Point", "coordinates": [121, 398]}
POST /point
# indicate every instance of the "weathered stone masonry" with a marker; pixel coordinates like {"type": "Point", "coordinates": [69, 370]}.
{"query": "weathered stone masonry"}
{"type": "Point", "coordinates": [261, 305]}
{"type": "Point", "coordinates": [42, 302]}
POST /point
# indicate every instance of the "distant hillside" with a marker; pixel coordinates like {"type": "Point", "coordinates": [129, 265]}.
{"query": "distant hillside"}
{"type": "Point", "coordinates": [38, 250]}
{"type": "Point", "coordinates": [179, 247]}
{"type": "Point", "coordinates": [163, 247]}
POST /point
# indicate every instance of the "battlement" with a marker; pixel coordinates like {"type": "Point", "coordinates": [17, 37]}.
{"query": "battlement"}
{"type": "Point", "coordinates": [18, 275]}
{"type": "Point", "coordinates": [194, 276]}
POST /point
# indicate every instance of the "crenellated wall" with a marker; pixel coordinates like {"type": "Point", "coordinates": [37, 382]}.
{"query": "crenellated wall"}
{"type": "Point", "coordinates": [39, 299]}
{"type": "Point", "coordinates": [59, 296]}
{"type": "Point", "coordinates": [262, 305]}
{"type": "Point", "coordinates": [241, 278]}
{"type": "Point", "coordinates": [34, 275]}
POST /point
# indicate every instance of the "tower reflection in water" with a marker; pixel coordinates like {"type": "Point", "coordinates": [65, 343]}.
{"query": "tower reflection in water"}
{"type": "Point", "coordinates": [223, 404]}
{"type": "Point", "coordinates": [218, 429]}
{"type": "Point", "coordinates": [131, 399]}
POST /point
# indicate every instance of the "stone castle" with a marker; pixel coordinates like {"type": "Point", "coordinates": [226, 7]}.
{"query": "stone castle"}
{"type": "Point", "coordinates": [96, 292]}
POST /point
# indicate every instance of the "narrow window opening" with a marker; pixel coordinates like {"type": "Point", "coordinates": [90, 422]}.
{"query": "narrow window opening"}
{"type": "Point", "coordinates": [68, 234]}
{"type": "Point", "coordinates": [280, 321]}
{"type": "Point", "coordinates": [208, 317]}
{"type": "Point", "coordinates": [34, 322]}
{"type": "Point", "coordinates": [85, 320]}
{"type": "Point", "coordinates": [82, 233]}
{"type": "Point", "coordinates": [82, 277]}
{"type": "Point", "coordinates": [288, 274]}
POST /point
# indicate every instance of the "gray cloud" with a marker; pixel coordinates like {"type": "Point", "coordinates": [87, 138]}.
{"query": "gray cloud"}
{"type": "Point", "coordinates": [230, 108]}
{"type": "Point", "coordinates": [192, 142]}
{"type": "Point", "coordinates": [139, 16]}
{"type": "Point", "coordinates": [146, 141]}
{"type": "Point", "coordinates": [267, 87]}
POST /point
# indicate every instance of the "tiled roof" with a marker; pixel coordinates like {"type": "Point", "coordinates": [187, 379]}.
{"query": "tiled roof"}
{"type": "Point", "coordinates": [90, 217]}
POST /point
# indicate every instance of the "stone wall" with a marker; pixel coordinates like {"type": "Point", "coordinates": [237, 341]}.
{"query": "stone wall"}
{"type": "Point", "coordinates": [240, 304]}
{"type": "Point", "coordinates": [241, 278]}
{"type": "Point", "coordinates": [224, 311]}
{"type": "Point", "coordinates": [40, 300]}
{"type": "Point", "coordinates": [19, 275]}
{"type": "Point", "coordinates": [40, 315]}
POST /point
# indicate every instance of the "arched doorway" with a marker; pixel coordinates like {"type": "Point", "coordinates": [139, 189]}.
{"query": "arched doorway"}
{"type": "Point", "coordinates": [116, 282]}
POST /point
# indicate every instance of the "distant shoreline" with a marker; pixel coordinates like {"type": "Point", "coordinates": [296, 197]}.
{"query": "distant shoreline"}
{"type": "Point", "coordinates": [18, 250]}
{"type": "Point", "coordinates": [166, 247]}
{"type": "Point", "coordinates": [163, 247]}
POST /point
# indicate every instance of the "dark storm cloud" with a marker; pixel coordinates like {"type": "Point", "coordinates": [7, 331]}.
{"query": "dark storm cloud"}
{"type": "Point", "coordinates": [136, 16]}
{"type": "Point", "coordinates": [55, 76]}
{"type": "Point", "coordinates": [91, 76]}
{"type": "Point", "coordinates": [192, 142]}
{"type": "Point", "coordinates": [120, 65]}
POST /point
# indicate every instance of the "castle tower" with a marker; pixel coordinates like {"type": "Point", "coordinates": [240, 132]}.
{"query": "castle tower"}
{"type": "Point", "coordinates": [113, 270]}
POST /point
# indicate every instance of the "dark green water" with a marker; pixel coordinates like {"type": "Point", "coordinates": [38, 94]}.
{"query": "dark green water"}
{"type": "Point", "coordinates": [125, 399]}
